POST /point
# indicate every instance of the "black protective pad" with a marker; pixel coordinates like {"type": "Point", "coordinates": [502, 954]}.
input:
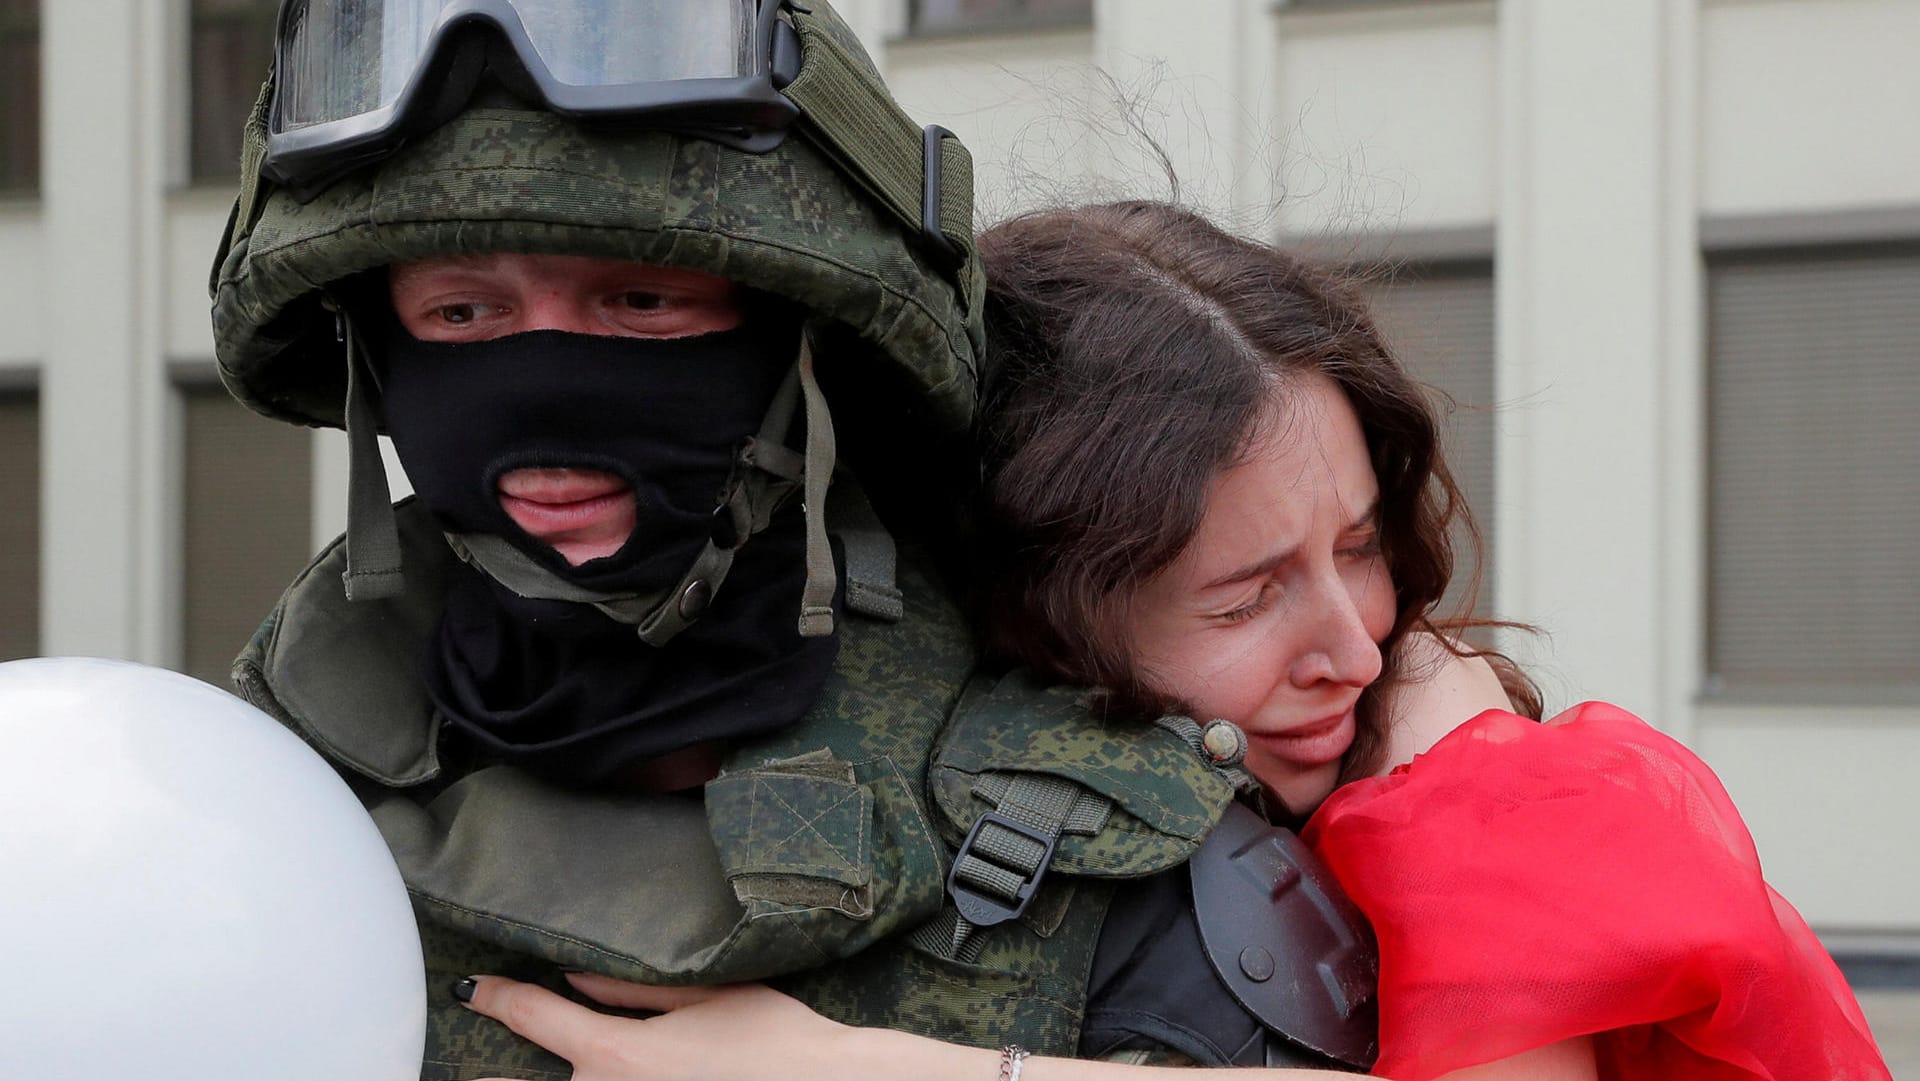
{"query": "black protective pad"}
{"type": "Point", "coordinates": [1285, 940]}
{"type": "Point", "coordinates": [1155, 984]}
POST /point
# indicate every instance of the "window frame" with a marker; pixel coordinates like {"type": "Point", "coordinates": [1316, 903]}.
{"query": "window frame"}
{"type": "Point", "coordinates": [1783, 240]}
{"type": "Point", "coordinates": [210, 158]}
{"type": "Point", "coordinates": [201, 580]}
{"type": "Point", "coordinates": [1017, 18]}
{"type": "Point", "coordinates": [25, 515]}
{"type": "Point", "coordinates": [1449, 259]}
{"type": "Point", "coordinates": [21, 28]}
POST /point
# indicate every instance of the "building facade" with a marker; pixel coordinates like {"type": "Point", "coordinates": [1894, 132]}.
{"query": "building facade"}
{"type": "Point", "coordinates": [1664, 255]}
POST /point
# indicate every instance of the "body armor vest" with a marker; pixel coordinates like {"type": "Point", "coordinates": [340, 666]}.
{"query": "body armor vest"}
{"type": "Point", "coordinates": [812, 855]}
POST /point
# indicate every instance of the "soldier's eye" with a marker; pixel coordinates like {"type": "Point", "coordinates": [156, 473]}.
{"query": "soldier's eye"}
{"type": "Point", "coordinates": [640, 300]}
{"type": "Point", "coordinates": [458, 313]}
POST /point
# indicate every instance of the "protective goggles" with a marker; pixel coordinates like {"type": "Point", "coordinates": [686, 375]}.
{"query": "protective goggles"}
{"type": "Point", "coordinates": [355, 79]}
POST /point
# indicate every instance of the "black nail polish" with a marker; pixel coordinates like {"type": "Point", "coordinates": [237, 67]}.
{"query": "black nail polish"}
{"type": "Point", "coordinates": [464, 989]}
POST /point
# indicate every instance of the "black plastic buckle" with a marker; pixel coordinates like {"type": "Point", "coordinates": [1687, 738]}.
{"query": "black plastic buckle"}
{"type": "Point", "coordinates": [932, 157]}
{"type": "Point", "coordinates": [980, 909]}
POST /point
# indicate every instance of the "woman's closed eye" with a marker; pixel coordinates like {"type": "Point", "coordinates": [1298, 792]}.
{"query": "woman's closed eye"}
{"type": "Point", "coordinates": [1364, 546]}
{"type": "Point", "coordinates": [1256, 605]}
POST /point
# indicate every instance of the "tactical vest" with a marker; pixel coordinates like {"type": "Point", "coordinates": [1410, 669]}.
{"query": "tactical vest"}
{"type": "Point", "coordinates": [813, 855]}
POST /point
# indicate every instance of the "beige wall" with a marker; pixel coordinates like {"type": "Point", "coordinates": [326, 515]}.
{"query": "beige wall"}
{"type": "Point", "coordinates": [1802, 105]}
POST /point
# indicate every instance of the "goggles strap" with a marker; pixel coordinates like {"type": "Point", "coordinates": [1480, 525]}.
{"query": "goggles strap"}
{"type": "Point", "coordinates": [850, 108]}
{"type": "Point", "coordinates": [251, 200]}
{"type": "Point", "coordinates": [373, 538]}
{"type": "Point", "coordinates": [253, 151]}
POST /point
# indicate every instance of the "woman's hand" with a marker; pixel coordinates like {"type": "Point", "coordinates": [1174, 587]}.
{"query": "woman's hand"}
{"type": "Point", "coordinates": [745, 1031]}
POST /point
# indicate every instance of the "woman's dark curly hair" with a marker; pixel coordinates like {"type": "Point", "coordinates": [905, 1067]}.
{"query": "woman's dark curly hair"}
{"type": "Point", "coordinates": [1132, 350]}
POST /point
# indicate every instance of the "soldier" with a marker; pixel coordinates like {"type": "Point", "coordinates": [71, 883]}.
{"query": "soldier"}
{"type": "Point", "coordinates": [640, 683]}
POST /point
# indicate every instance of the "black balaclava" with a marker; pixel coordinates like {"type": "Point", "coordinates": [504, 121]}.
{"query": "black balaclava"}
{"type": "Point", "coordinates": [556, 686]}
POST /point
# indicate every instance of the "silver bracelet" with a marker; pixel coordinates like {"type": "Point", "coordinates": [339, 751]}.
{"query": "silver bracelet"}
{"type": "Point", "coordinates": [1013, 1058]}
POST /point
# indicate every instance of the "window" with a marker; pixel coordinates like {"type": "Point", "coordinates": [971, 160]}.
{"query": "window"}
{"type": "Point", "coordinates": [1438, 319]}
{"type": "Point", "coordinates": [232, 45]}
{"type": "Point", "coordinates": [1813, 366]}
{"type": "Point", "coordinates": [938, 15]}
{"type": "Point", "coordinates": [20, 526]}
{"type": "Point", "coordinates": [248, 524]}
{"type": "Point", "coordinates": [19, 97]}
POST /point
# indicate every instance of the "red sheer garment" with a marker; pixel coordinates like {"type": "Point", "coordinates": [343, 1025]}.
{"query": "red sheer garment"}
{"type": "Point", "coordinates": [1531, 883]}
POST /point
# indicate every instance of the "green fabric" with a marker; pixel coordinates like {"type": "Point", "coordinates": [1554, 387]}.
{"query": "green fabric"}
{"type": "Point", "coordinates": [1087, 816]}
{"type": "Point", "coordinates": [1165, 798]}
{"type": "Point", "coordinates": [869, 549]}
{"type": "Point", "coordinates": [1001, 860]}
{"type": "Point", "coordinates": [811, 860]}
{"type": "Point", "coordinates": [373, 541]}
{"type": "Point", "coordinates": [816, 596]}
{"type": "Point", "coordinates": [321, 658]}
{"type": "Point", "coordinates": [253, 151]}
{"type": "Point", "coordinates": [1024, 982]}
{"type": "Point", "coordinates": [842, 97]}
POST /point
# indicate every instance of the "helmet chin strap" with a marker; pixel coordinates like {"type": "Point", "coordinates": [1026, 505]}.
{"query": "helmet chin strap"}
{"type": "Point", "coordinates": [766, 472]}
{"type": "Point", "coordinates": [373, 538]}
{"type": "Point", "coordinates": [816, 596]}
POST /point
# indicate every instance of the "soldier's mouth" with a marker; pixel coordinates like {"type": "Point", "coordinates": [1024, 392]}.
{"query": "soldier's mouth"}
{"type": "Point", "coordinates": [583, 514]}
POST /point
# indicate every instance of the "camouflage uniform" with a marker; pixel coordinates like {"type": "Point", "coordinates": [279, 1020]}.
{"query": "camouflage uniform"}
{"type": "Point", "coordinates": [818, 848]}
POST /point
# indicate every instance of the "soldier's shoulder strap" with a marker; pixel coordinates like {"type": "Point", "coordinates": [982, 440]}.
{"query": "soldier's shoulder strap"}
{"type": "Point", "coordinates": [872, 588]}
{"type": "Point", "coordinates": [1027, 781]}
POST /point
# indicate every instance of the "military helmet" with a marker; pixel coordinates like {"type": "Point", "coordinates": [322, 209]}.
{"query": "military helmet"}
{"type": "Point", "coordinates": [858, 214]}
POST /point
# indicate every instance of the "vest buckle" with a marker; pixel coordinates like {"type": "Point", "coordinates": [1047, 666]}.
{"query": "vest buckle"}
{"type": "Point", "coordinates": [998, 869]}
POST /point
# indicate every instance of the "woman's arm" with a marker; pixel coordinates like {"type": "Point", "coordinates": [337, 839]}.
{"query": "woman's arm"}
{"type": "Point", "coordinates": [1568, 1060]}
{"type": "Point", "coordinates": [751, 1032]}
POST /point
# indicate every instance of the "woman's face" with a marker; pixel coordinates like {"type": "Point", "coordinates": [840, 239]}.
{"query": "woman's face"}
{"type": "Point", "coordinates": [1272, 617]}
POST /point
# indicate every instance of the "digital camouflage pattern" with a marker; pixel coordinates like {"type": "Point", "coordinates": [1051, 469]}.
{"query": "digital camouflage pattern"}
{"type": "Point", "coordinates": [1028, 985]}
{"type": "Point", "coordinates": [461, 1044]}
{"type": "Point", "coordinates": [811, 857]}
{"type": "Point", "coordinates": [1165, 803]}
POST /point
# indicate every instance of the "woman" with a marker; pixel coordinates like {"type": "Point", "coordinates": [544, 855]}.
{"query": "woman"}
{"type": "Point", "coordinates": [1142, 361]}
{"type": "Point", "coordinates": [1212, 491]}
